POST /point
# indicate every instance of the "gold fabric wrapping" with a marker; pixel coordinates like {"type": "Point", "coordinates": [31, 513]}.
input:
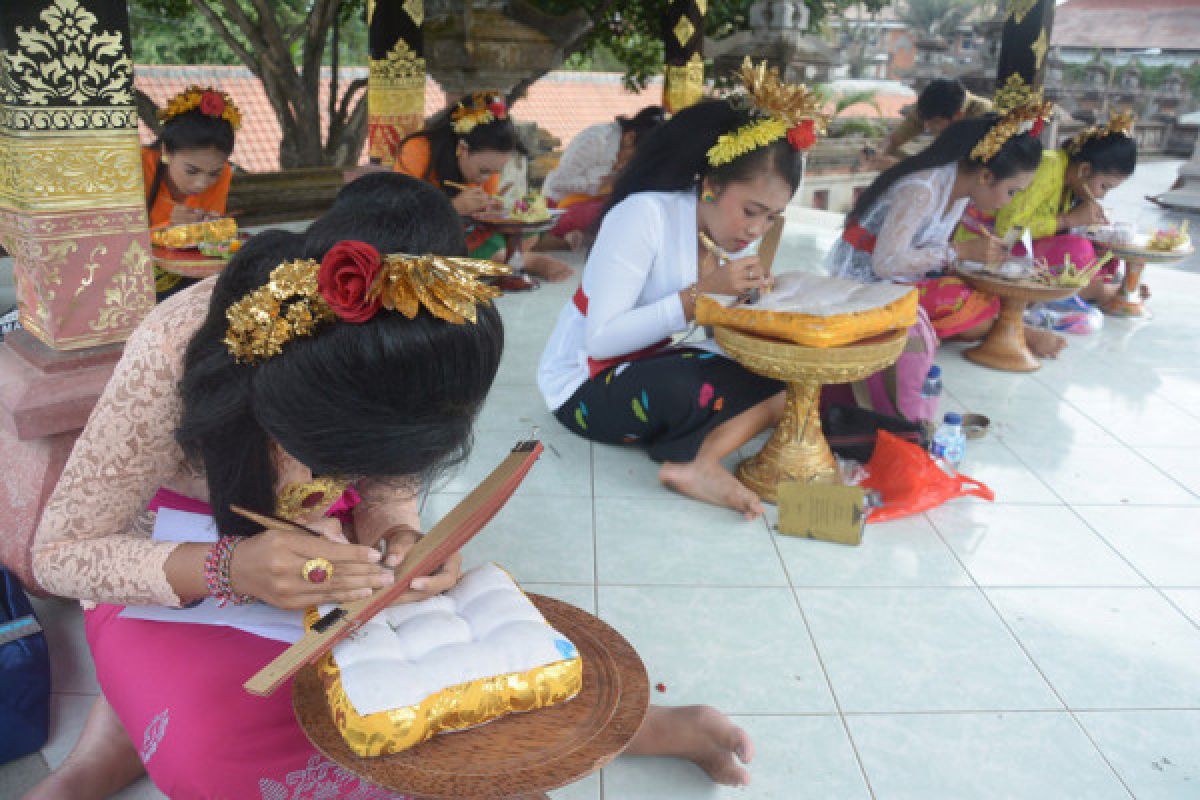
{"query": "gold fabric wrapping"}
{"type": "Point", "coordinates": [454, 708]}
{"type": "Point", "coordinates": [811, 330]}
{"type": "Point", "coordinates": [181, 236]}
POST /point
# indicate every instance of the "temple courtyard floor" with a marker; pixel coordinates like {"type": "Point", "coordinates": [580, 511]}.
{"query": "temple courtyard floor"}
{"type": "Point", "coordinates": [1043, 646]}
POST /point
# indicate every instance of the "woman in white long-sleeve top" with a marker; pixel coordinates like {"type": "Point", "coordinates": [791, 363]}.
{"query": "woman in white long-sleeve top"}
{"type": "Point", "coordinates": [717, 169]}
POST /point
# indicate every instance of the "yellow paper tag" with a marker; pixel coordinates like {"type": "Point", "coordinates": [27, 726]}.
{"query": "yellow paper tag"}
{"type": "Point", "coordinates": [820, 511]}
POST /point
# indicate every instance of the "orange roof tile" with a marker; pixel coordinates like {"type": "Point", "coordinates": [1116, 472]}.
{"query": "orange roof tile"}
{"type": "Point", "coordinates": [563, 103]}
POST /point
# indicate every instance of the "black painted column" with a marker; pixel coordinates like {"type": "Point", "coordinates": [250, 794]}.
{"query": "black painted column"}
{"type": "Point", "coordinates": [683, 61]}
{"type": "Point", "coordinates": [396, 82]}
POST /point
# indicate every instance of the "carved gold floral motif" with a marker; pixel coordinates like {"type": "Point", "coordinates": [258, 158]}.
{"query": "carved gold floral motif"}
{"type": "Point", "coordinates": [67, 61]}
{"type": "Point", "coordinates": [683, 86]}
{"type": "Point", "coordinates": [415, 10]}
{"type": "Point", "coordinates": [70, 171]}
{"type": "Point", "coordinates": [130, 295]}
{"type": "Point", "coordinates": [1019, 9]}
{"type": "Point", "coordinates": [396, 83]}
{"type": "Point", "coordinates": [683, 31]}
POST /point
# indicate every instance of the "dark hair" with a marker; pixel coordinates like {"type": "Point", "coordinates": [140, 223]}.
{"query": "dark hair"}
{"type": "Point", "coordinates": [389, 397]}
{"type": "Point", "coordinates": [674, 157]}
{"type": "Point", "coordinates": [941, 99]}
{"type": "Point", "coordinates": [389, 207]}
{"type": "Point", "coordinates": [191, 130]}
{"type": "Point", "coordinates": [1021, 153]}
{"type": "Point", "coordinates": [499, 135]}
{"type": "Point", "coordinates": [643, 122]}
{"type": "Point", "coordinates": [1115, 154]}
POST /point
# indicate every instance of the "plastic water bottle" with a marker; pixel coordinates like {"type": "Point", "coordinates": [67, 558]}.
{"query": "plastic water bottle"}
{"type": "Point", "coordinates": [933, 382]}
{"type": "Point", "coordinates": [949, 442]}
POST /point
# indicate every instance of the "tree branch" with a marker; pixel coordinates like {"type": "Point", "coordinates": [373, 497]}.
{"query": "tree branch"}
{"type": "Point", "coordinates": [147, 111]}
{"type": "Point", "coordinates": [320, 18]}
{"type": "Point", "coordinates": [252, 63]}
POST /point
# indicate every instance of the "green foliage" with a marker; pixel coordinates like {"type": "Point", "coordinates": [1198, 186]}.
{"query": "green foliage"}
{"type": "Point", "coordinates": [174, 32]}
{"type": "Point", "coordinates": [938, 17]}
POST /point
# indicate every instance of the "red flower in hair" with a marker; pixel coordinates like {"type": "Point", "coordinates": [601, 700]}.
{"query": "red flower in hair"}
{"type": "Point", "coordinates": [803, 135]}
{"type": "Point", "coordinates": [498, 109]}
{"type": "Point", "coordinates": [212, 104]}
{"type": "Point", "coordinates": [348, 271]}
{"type": "Point", "coordinates": [1038, 124]}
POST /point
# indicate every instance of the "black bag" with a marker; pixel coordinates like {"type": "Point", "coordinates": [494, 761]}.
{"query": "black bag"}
{"type": "Point", "coordinates": [24, 674]}
{"type": "Point", "coordinates": [850, 431]}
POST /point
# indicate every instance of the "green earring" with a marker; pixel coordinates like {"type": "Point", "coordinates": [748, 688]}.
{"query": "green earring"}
{"type": "Point", "coordinates": [707, 196]}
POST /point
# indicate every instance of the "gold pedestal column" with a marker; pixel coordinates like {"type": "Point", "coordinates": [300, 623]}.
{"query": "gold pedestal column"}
{"type": "Point", "coordinates": [797, 449]}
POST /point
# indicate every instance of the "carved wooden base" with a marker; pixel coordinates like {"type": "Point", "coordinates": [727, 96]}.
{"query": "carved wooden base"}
{"type": "Point", "coordinates": [1004, 348]}
{"type": "Point", "coordinates": [1128, 301]}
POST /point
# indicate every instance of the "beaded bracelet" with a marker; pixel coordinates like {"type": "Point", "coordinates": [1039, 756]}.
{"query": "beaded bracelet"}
{"type": "Point", "coordinates": [216, 572]}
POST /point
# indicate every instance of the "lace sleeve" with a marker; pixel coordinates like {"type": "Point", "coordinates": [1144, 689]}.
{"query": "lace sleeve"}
{"type": "Point", "coordinates": [898, 254]}
{"type": "Point", "coordinates": [87, 545]}
{"type": "Point", "coordinates": [588, 159]}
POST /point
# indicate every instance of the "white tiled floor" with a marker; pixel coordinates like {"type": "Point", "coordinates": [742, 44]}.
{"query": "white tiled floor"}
{"type": "Point", "coordinates": [1045, 646]}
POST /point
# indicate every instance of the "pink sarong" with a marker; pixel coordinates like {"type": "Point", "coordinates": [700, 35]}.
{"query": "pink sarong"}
{"type": "Point", "coordinates": [177, 690]}
{"type": "Point", "coordinates": [953, 307]}
{"type": "Point", "coordinates": [580, 216]}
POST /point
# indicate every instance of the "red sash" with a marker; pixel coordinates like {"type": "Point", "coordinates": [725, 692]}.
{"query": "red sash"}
{"type": "Point", "coordinates": [598, 365]}
{"type": "Point", "coordinates": [858, 237]}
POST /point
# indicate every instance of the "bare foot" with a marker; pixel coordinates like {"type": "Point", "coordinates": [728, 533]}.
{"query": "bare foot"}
{"type": "Point", "coordinates": [574, 239]}
{"type": "Point", "coordinates": [547, 267]}
{"type": "Point", "coordinates": [712, 483]}
{"type": "Point", "coordinates": [702, 735]}
{"type": "Point", "coordinates": [103, 762]}
{"type": "Point", "coordinates": [1043, 343]}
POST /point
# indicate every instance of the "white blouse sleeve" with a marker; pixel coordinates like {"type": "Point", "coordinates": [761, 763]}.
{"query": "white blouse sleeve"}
{"type": "Point", "coordinates": [588, 159]}
{"type": "Point", "coordinates": [898, 253]}
{"type": "Point", "coordinates": [628, 246]}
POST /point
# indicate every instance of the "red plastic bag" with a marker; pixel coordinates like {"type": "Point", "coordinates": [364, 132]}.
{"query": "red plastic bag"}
{"type": "Point", "coordinates": [910, 481]}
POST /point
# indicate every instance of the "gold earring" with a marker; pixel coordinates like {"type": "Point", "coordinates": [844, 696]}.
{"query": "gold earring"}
{"type": "Point", "coordinates": [708, 196]}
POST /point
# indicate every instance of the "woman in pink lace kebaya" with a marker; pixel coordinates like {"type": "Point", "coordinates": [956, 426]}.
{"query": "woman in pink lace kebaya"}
{"type": "Point", "coordinates": [202, 415]}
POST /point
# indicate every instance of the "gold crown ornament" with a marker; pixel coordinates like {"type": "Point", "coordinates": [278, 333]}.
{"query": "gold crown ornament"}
{"type": "Point", "coordinates": [1022, 110]}
{"type": "Point", "coordinates": [1120, 122]}
{"type": "Point", "coordinates": [353, 283]}
{"type": "Point", "coordinates": [211, 102]}
{"type": "Point", "coordinates": [477, 108]}
{"type": "Point", "coordinates": [782, 110]}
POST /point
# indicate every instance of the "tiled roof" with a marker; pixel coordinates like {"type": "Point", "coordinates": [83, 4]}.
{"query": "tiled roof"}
{"type": "Point", "coordinates": [1128, 24]}
{"type": "Point", "coordinates": [563, 103]}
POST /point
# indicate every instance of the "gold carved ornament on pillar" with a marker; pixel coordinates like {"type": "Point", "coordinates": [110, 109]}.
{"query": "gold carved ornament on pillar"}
{"type": "Point", "coordinates": [683, 86]}
{"type": "Point", "coordinates": [395, 98]}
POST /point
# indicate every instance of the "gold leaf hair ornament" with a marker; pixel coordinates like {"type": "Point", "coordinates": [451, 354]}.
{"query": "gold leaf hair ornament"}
{"type": "Point", "coordinates": [1120, 122]}
{"type": "Point", "coordinates": [210, 102]}
{"type": "Point", "coordinates": [478, 108]}
{"type": "Point", "coordinates": [1022, 110]}
{"type": "Point", "coordinates": [352, 283]}
{"type": "Point", "coordinates": [780, 109]}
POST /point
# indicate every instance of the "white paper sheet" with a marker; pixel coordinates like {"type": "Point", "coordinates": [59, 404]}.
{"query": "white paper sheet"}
{"type": "Point", "coordinates": [259, 619]}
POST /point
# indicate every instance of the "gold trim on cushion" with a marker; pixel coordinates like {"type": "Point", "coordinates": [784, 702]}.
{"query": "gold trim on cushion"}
{"type": "Point", "coordinates": [811, 330]}
{"type": "Point", "coordinates": [192, 234]}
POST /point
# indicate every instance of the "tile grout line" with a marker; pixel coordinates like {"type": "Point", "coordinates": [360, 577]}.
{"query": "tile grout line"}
{"type": "Point", "coordinates": [1149, 583]}
{"type": "Point", "coordinates": [862, 767]}
{"type": "Point", "coordinates": [1029, 656]}
{"type": "Point", "coordinates": [595, 564]}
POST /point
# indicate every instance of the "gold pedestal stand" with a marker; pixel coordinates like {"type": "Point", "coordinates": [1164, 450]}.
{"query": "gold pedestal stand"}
{"type": "Point", "coordinates": [1004, 347]}
{"type": "Point", "coordinates": [797, 450]}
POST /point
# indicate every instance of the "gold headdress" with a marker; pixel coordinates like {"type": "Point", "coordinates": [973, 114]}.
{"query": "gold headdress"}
{"type": "Point", "coordinates": [1024, 110]}
{"type": "Point", "coordinates": [478, 108]}
{"type": "Point", "coordinates": [1119, 122]}
{"type": "Point", "coordinates": [782, 110]}
{"type": "Point", "coordinates": [211, 102]}
{"type": "Point", "coordinates": [352, 283]}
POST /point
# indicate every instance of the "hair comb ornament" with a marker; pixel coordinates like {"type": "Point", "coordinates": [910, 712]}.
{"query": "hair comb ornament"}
{"type": "Point", "coordinates": [352, 283]}
{"type": "Point", "coordinates": [210, 102]}
{"type": "Point", "coordinates": [478, 108]}
{"type": "Point", "coordinates": [1120, 122]}
{"type": "Point", "coordinates": [1023, 110]}
{"type": "Point", "coordinates": [782, 110]}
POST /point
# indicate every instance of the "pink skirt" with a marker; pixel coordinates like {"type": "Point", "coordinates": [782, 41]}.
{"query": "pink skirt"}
{"type": "Point", "coordinates": [953, 307]}
{"type": "Point", "coordinates": [177, 689]}
{"type": "Point", "coordinates": [581, 216]}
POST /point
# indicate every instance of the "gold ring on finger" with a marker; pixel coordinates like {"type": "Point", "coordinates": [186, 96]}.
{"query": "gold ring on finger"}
{"type": "Point", "coordinates": [317, 570]}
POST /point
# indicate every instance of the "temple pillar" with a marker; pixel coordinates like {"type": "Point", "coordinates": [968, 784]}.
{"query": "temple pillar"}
{"type": "Point", "coordinates": [73, 216]}
{"type": "Point", "coordinates": [683, 53]}
{"type": "Point", "coordinates": [1025, 40]}
{"type": "Point", "coordinates": [396, 79]}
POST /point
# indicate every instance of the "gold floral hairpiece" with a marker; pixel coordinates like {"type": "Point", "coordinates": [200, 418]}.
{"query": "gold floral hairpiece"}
{"type": "Point", "coordinates": [479, 108]}
{"type": "Point", "coordinates": [211, 102]}
{"type": "Point", "coordinates": [782, 110]}
{"type": "Point", "coordinates": [1119, 122]}
{"type": "Point", "coordinates": [352, 283]}
{"type": "Point", "coordinates": [1023, 110]}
